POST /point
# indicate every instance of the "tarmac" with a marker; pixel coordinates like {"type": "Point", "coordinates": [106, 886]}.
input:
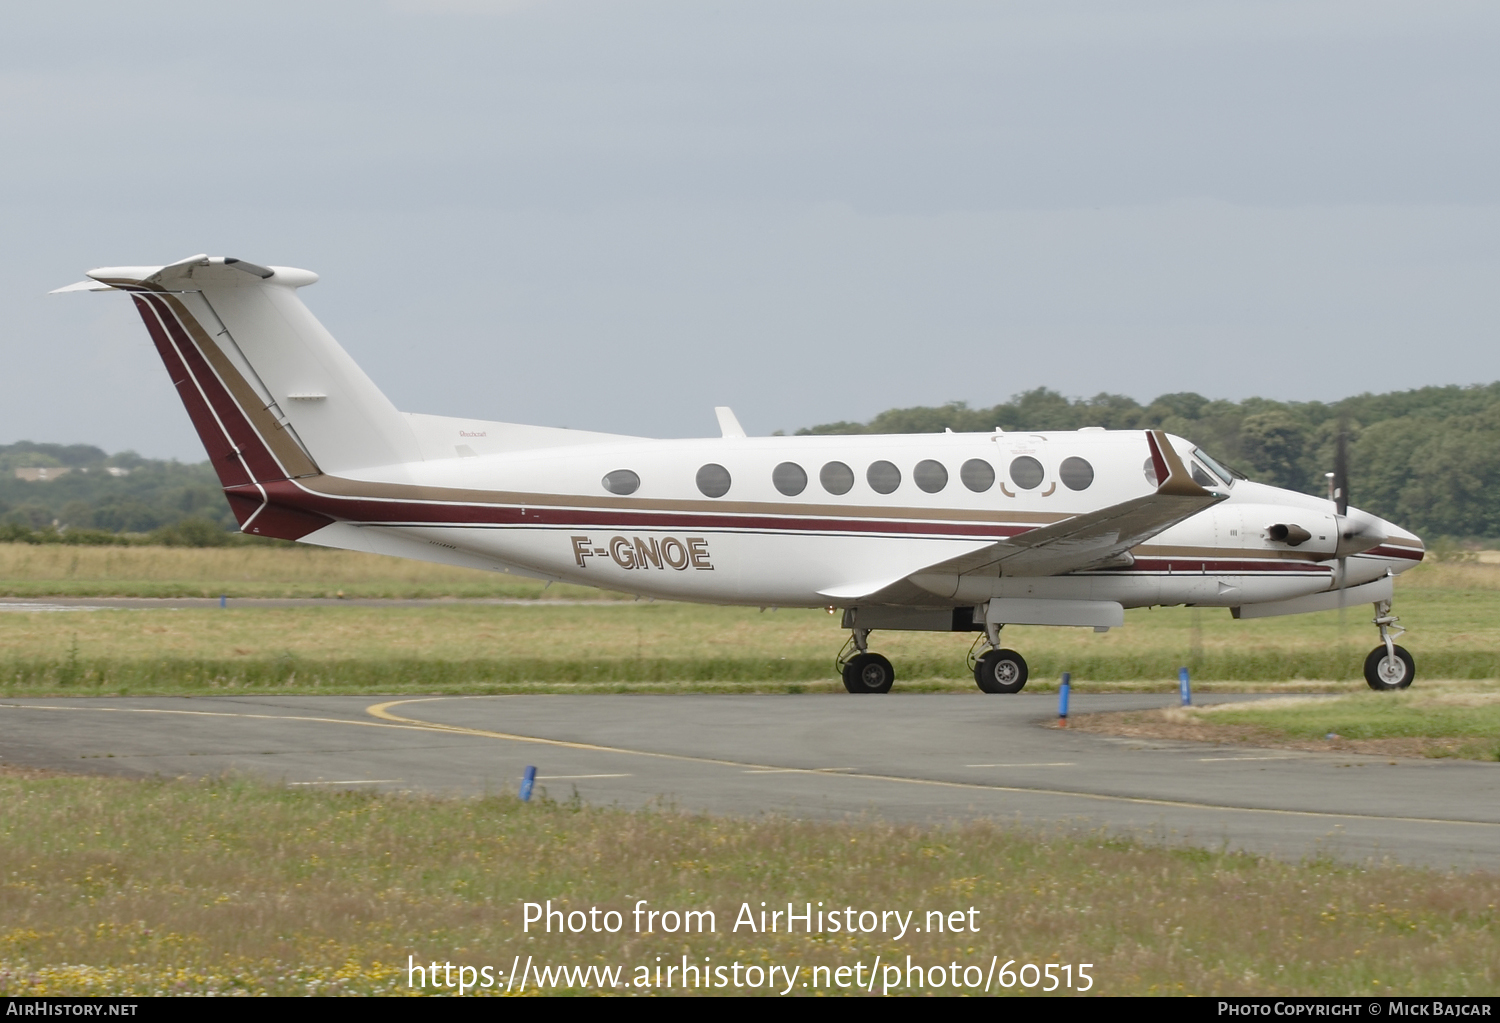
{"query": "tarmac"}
{"type": "Point", "coordinates": [927, 758]}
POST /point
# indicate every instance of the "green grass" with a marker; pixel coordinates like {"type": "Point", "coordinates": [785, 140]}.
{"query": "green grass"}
{"type": "Point", "coordinates": [120, 887]}
{"type": "Point", "coordinates": [252, 570]}
{"type": "Point", "coordinates": [1436, 719]}
{"type": "Point", "coordinates": [663, 647]}
{"type": "Point", "coordinates": [1452, 610]}
{"type": "Point", "coordinates": [1374, 716]}
{"type": "Point", "coordinates": [1463, 723]}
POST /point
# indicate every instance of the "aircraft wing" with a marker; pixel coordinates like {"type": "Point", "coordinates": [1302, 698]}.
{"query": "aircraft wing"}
{"type": "Point", "coordinates": [1095, 537]}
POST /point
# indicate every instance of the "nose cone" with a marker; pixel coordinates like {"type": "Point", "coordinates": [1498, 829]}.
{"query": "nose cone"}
{"type": "Point", "coordinates": [1401, 547]}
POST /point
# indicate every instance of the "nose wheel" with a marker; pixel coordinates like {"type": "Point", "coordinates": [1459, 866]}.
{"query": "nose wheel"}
{"type": "Point", "coordinates": [1389, 667]}
{"type": "Point", "coordinates": [1386, 671]}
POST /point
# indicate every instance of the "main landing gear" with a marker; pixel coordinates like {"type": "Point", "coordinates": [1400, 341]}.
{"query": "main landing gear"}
{"type": "Point", "coordinates": [864, 672]}
{"type": "Point", "coordinates": [997, 670]}
{"type": "Point", "coordinates": [1389, 667]}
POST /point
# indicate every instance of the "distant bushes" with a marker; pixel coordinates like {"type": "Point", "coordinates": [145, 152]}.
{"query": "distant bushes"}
{"type": "Point", "coordinates": [108, 494]}
{"type": "Point", "coordinates": [191, 532]}
{"type": "Point", "coordinates": [1428, 459]}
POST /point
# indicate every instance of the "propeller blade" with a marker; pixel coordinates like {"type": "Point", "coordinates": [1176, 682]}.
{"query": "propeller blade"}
{"type": "Point", "coordinates": [1341, 469]}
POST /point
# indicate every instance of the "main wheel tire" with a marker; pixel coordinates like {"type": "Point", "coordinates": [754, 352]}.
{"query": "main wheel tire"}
{"type": "Point", "coordinates": [1386, 674]}
{"type": "Point", "coordinates": [868, 673]}
{"type": "Point", "coordinates": [1001, 671]}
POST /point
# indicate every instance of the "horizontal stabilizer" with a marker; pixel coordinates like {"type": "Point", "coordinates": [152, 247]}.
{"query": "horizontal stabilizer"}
{"type": "Point", "coordinates": [82, 286]}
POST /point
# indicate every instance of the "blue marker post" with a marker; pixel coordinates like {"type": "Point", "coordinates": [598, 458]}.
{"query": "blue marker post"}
{"type": "Point", "coordinates": [1184, 688]}
{"type": "Point", "coordinates": [223, 600]}
{"type": "Point", "coordinates": [1062, 699]}
{"type": "Point", "coordinates": [527, 780]}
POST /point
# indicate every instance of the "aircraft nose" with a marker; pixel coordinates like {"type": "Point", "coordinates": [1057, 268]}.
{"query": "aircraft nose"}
{"type": "Point", "coordinates": [1409, 543]}
{"type": "Point", "coordinates": [1360, 531]}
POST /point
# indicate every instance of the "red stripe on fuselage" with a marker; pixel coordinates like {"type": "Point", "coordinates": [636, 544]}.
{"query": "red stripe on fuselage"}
{"type": "Point", "coordinates": [1387, 551]}
{"type": "Point", "coordinates": [1182, 566]}
{"type": "Point", "coordinates": [375, 511]}
{"type": "Point", "coordinates": [395, 512]}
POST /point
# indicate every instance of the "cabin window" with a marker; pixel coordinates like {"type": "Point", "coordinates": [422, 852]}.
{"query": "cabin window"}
{"type": "Point", "coordinates": [1026, 472]}
{"type": "Point", "coordinates": [622, 482]}
{"type": "Point", "coordinates": [930, 476]}
{"type": "Point", "coordinates": [883, 477]}
{"type": "Point", "coordinates": [978, 475]}
{"type": "Point", "coordinates": [837, 478]}
{"type": "Point", "coordinates": [713, 480]}
{"type": "Point", "coordinates": [789, 478]}
{"type": "Point", "coordinates": [1076, 473]}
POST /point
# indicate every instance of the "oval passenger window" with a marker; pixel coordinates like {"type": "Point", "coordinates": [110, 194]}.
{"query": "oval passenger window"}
{"type": "Point", "coordinates": [978, 475]}
{"type": "Point", "coordinates": [930, 476]}
{"type": "Point", "coordinates": [883, 477]}
{"type": "Point", "coordinates": [713, 480]}
{"type": "Point", "coordinates": [622, 482]}
{"type": "Point", "coordinates": [1076, 473]}
{"type": "Point", "coordinates": [1026, 472]}
{"type": "Point", "coordinates": [789, 478]}
{"type": "Point", "coordinates": [837, 478]}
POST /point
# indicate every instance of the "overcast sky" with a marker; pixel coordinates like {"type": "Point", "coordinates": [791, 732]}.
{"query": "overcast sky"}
{"type": "Point", "coordinates": [615, 215]}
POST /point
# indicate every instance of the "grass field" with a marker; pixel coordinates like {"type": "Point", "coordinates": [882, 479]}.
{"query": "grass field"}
{"type": "Point", "coordinates": [49, 570]}
{"type": "Point", "coordinates": [139, 888]}
{"type": "Point", "coordinates": [1441, 720]}
{"type": "Point", "coordinates": [1453, 611]}
{"type": "Point", "coordinates": [661, 647]}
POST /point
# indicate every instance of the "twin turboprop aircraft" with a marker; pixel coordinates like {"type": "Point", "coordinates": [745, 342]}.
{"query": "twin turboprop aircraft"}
{"type": "Point", "coordinates": [945, 532]}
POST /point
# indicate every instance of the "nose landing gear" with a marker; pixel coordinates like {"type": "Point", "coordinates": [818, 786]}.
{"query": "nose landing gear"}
{"type": "Point", "coordinates": [1389, 667]}
{"type": "Point", "coordinates": [864, 672]}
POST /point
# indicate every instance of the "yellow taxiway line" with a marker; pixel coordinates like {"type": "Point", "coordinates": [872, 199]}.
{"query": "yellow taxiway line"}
{"type": "Point", "coordinates": [382, 711]}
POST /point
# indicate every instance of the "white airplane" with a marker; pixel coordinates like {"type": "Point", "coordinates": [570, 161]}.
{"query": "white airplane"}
{"type": "Point", "coordinates": [943, 532]}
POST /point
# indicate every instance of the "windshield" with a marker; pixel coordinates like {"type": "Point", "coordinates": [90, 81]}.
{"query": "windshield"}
{"type": "Point", "coordinates": [1224, 473]}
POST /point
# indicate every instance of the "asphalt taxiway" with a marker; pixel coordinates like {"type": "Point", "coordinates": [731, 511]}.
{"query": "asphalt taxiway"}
{"type": "Point", "coordinates": [903, 757]}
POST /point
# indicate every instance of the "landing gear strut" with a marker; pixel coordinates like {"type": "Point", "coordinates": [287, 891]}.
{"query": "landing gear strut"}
{"type": "Point", "coordinates": [864, 672]}
{"type": "Point", "coordinates": [1389, 667]}
{"type": "Point", "coordinates": [998, 670]}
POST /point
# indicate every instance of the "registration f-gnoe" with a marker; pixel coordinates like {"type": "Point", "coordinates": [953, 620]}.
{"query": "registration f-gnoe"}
{"type": "Point", "coordinates": [942, 532]}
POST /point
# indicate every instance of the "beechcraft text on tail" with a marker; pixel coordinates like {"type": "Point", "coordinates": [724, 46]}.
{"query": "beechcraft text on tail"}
{"type": "Point", "coordinates": [948, 532]}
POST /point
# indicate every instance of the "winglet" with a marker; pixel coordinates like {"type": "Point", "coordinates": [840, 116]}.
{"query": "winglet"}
{"type": "Point", "coordinates": [728, 425]}
{"type": "Point", "coordinates": [1172, 474]}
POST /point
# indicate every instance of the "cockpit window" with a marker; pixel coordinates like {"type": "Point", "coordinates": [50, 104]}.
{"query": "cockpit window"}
{"type": "Point", "coordinates": [1224, 473]}
{"type": "Point", "coordinates": [1201, 477]}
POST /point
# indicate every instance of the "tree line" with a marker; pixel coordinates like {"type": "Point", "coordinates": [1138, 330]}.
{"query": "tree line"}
{"type": "Point", "coordinates": [1428, 459]}
{"type": "Point", "coordinates": [145, 500]}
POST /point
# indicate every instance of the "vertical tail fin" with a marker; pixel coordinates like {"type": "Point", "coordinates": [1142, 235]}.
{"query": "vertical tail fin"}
{"type": "Point", "coordinates": [272, 395]}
